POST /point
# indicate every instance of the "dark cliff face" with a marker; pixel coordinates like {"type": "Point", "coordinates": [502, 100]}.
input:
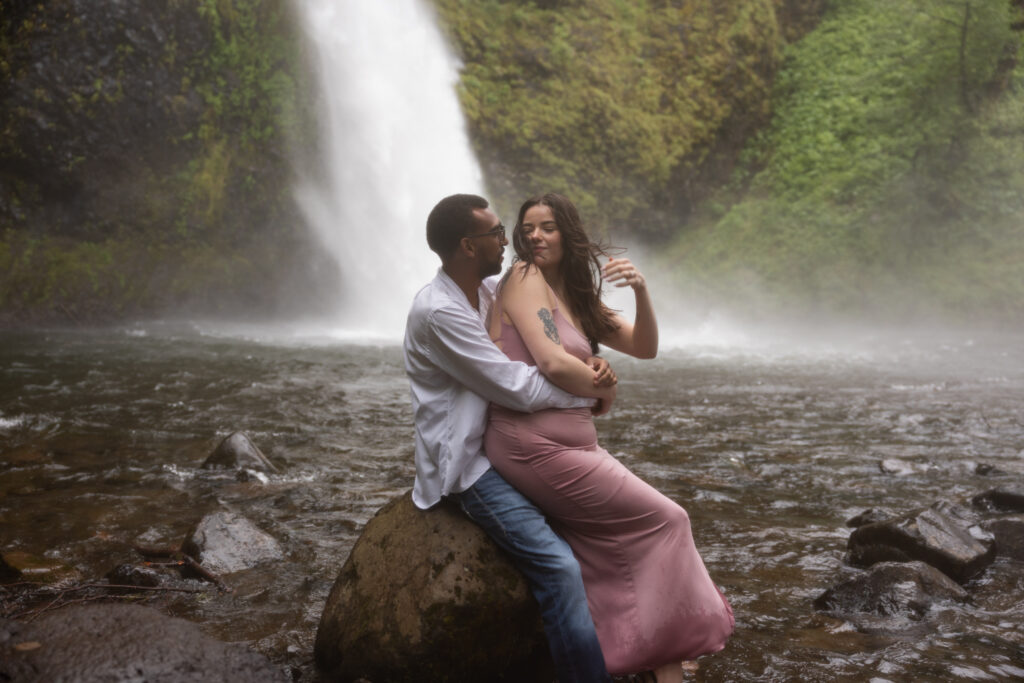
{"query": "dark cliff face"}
{"type": "Point", "coordinates": [97, 108]}
{"type": "Point", "coordinates": [145, 159]}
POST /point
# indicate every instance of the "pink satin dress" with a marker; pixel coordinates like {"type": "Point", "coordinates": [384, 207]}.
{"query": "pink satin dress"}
{"type": "Point", "coordinates": [651, 597]}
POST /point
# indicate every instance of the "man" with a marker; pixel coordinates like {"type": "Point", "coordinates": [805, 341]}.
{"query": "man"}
{"type": "Point", "coordinates": [454, 370]}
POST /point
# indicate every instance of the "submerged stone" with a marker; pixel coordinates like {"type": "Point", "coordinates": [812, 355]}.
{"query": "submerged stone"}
{"type": "Point", "coordinates": [1009, 536]}
{"type": "Point", "coordinates": [891, 589]}
{"type": "Point", "coordinates": [133, 575]}
{"type": "Point", "coordinates": [1008, 498]}
{"type": "Point", "coordinates": [896, 466]}
{"type": "Point", "coordinates": [869, 516]}
{"type": "Point", "coordinates": [425, 595]}
{"type": "Point", "coordinates": [18, 565]}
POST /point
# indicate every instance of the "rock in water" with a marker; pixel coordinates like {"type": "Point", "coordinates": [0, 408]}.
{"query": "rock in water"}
{"type": "Point", "coordinates": [1008, 498]}
{"type": "Point", "coordinates": [869, 516]}
{"type": "Point", "coordinates": [122, 643]}
{"type": "Point", "coordinates": [891, 588]}
{"type": "Point", "coordinates": [224, 542]}
{"type": "Point", "coordinates": [937, 536]}
{"type": "Point", "coordinates": [238, 452]}
{"type": "Point", "coordinates": [17, 565]}
{"type": "Point", "coordinates": [1009, 536]}
{"type": "Point", "coordinates": [426, 596]}
{"type": "Point", "coordinates": [896, 466]}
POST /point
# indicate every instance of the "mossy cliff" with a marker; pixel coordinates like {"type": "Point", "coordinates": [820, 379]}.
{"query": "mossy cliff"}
{"type": "Point", "coordinates": [890, 177]}
{"type": "Point", "coordinates": [144, 156]}
{"type": "Point", "coordinates": [634, 109]}
{"type": "Point", "coordinates": [857, 156]}
{"type": "Point", "coordinates": [864, 155]}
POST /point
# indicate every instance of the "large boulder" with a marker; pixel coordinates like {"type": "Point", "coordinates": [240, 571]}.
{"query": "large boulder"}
{"type": "Point", "coordinates": [225, 542]}
{"type": "Point", "coordinates": [940, 536]}
{"type": "Point", "coordinates": [426, 596]}
{"type": "Point", "coordinates": [120, 643]}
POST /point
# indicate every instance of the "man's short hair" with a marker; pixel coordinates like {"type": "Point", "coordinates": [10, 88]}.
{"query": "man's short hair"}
{"type": "Point", "coordinates": [450, 221]}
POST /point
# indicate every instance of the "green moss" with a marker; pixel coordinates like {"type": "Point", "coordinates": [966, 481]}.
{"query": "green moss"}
{"type": "Point", "coordinates": [612, 103]}
{"type": "Point", "coordinates": [183, 224]}
{"type": "Point", "coordinates": [881, 184]}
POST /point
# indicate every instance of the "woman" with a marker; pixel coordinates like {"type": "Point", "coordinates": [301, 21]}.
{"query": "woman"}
{"type": "Point", "coordinates": [652, 600]}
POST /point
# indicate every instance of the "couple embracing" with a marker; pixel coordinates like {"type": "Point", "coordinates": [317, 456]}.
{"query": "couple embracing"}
{"type": "Point", "coordinates": [505, 384]}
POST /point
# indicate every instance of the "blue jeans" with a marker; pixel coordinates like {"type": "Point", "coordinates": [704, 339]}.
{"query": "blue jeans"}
{"type": "Point", "coordinates": [518, 527]}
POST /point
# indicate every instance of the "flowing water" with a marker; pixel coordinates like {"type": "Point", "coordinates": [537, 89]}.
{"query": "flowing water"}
{"type": "Point", "coordinates": [393, 142]}
{"type": "Point", "coordinates": [770, 445]}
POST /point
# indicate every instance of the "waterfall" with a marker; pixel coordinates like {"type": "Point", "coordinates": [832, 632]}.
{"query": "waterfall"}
{"type": "Point", "coordinates": [393, 142]}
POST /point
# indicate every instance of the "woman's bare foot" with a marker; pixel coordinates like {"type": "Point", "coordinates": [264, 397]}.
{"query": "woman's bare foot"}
{"type": "Point", "coordinates": [669, 673]}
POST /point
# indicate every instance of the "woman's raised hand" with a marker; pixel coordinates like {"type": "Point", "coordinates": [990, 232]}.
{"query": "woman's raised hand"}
{"type": "Point", "coordinates": [622, 273]}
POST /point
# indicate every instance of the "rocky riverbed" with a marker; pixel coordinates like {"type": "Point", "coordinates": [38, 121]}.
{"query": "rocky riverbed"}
{"type": "Point", "coordinates": [104, 437]}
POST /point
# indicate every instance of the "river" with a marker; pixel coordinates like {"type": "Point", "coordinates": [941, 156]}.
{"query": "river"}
{"type": "Point", "coordinates": [770, 443]}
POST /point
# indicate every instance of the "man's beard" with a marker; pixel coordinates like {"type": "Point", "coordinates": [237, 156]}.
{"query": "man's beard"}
{"type": "Point", "coordinates": [489, 269]}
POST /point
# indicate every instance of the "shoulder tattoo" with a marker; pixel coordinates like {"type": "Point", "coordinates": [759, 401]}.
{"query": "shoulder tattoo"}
{"type": "Point", "coordinates": [549, 325]}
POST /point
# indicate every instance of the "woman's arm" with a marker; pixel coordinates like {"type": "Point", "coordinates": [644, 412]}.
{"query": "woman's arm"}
{"type": "Point", "coordinates": [528, 303]}
{"type": "Point", "coordinates": [639, 338]}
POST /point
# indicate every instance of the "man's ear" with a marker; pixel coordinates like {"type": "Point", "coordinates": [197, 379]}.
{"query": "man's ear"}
{"type": "Point", "coordinates": [467, 247]}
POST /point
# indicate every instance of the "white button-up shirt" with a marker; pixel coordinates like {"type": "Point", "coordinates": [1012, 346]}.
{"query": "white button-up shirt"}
{"type": "Point", "coordinates": [454, 371]}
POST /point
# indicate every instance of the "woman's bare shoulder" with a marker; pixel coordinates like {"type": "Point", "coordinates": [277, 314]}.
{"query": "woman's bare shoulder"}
{"type": "Point", "coordinates": [523, 268]}
{"type": "Point", "coordinates": [526, 286]}
{"type": "Point", "coordinates": [521, 273]}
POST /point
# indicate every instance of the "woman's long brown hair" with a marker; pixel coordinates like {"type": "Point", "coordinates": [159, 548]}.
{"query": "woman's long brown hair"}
{"type": "Point", "coordinates": [580, 267]}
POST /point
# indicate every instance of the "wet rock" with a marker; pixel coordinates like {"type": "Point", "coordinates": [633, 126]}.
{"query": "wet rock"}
{"type": "Point", "coordinates": [238, 452]}
{"type": "Point", "coordinates": [869, 516]}
{"type": "Point", "coordinates": [1008, 498]}
{"type": "Point", "coordinates": [1008, 533]}
{"type": "Point", "coordinates": [940, 536]}
{"type": "Point", "coordinates": [891, 589]}
{"type": "Point", "coordinates": [133, 575]}
{"type": "Point", "coordinates": [425, 595]}
{"type": "Point", "coordinates": [18, 565]}
{"type": "Point", "coordinates": [897, 467]}
{"type": "Point", "coordinates": [249, 476]}
{"type": "Point", "coordinates": [120, 643]}
{"type": "Point", "coordinates": [224, 542]}
{"type": "Point", "coordinates": [984, 469]}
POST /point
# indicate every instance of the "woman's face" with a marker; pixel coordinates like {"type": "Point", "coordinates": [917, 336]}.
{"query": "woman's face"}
{"type": "Point", "coordinates": [542, 237]}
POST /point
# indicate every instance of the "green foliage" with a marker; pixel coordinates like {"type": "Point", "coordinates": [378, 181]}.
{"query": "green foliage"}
{"type": "Point", "coordinates": [115, 201]}
{"type": "Point", "coordinates": [613, 103]}
{"type": "Point", "coordinates": [893, 165]}
{"type": "Point", "coordinates": [79, 282]}
{"type": "Point", "coordinates": [247, 81]}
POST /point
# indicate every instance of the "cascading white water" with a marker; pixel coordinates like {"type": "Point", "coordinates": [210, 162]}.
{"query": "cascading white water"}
{"type": "Point", "coordinates": [394, 142]}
